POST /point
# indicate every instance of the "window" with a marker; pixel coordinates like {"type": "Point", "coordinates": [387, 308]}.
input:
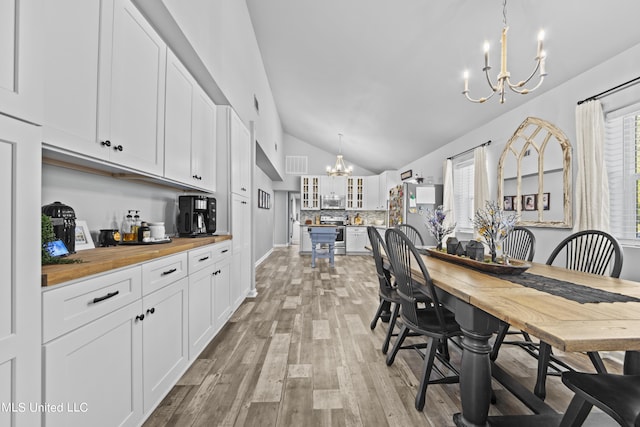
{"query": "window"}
{"type": "Point", "coordinates": [463, 171]}
{"type": "Point", "coordinates": [622, 157]}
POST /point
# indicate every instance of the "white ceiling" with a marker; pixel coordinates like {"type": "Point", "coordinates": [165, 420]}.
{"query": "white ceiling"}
{"type": "Point", "coordinates": [388, 73]}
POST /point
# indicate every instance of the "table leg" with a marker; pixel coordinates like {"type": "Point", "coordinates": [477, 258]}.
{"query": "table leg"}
{"type": "Point", "coordinates": [632, 363]}
{"type": "Point", "coordinates": [475, 374]}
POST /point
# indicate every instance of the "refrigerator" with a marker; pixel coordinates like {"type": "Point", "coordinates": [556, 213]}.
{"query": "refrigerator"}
{"type": "Point", "coordinates": [408, 203]}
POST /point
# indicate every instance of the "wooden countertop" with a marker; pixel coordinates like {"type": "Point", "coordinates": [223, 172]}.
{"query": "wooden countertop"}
{"type": "Point", "coordinates": [99, 260]}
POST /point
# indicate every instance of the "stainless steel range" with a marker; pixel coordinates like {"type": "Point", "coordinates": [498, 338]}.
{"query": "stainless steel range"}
{"type": "Point", "coordinates": [341, 239]}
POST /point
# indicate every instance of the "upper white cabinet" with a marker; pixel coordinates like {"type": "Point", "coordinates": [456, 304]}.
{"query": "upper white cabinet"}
{"type": "Point", "coordinates": [190, 129]}
{"type": "Point", "coordinates": [21, 58]}
{"type": "Point", "coordinates": [336, 185]}
{"type": "Point", "coordinates": [310, 192]}
{"type": "Point", "coordinates": [372, 193]}
{"type": "Point", "coordinates": [355, 193]}
{"type": "Point", "coordinates": [104, 85]}
{"type": "Point", "coordinates": [235, 135]}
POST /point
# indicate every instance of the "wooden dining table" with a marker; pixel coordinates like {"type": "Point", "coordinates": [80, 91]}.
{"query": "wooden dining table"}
{"type": "Point", "coordinates": [479, 300]}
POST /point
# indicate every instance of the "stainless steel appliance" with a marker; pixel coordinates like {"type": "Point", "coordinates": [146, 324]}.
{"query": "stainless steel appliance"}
{"type": "Point", "coordinates": [332, 201]}
{"type": "Point", "coordinates": [408, 203]}
{"type": "Point", "coordinates": [197, 216]}
{"type": "Point", "coordinates": [341, 239]}
{"type": "Point", "coordinates": [63, 219]}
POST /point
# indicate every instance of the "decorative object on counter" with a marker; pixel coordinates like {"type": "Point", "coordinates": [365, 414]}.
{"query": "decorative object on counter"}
{"type": "Point", "coordinates": [63, 220]}
{"type": "Point", "coordinates": [493, 225]}
{"type": "Point", "coordinates": [474, 250]}
{"type": "Point", "coordinates": [515, 267]}
{"type": "Point", "coordinates": [452, 245]}
{"type": "Point", "coordinates": [340, 169]}
{"type": "Point", "coordinates": [357, 220]}
{"type": "Point", "coordinates": [127, 228]}
{"type": "Point", "coordinates": [503, 79]}
{"type": "Point", "coordinates": [461, 249]}
{"type": "Point", "coordinates": [83, 238]}
{"type": "Point", "coordinates": [434, 220]}
{"type": "Point", "coordinates": [144, 233]}
{"type": "Point", "coordinates": [157, 230]}
{"type": "Point", "coordinates": [48, 236]}
{"type": "Point", "coordinates": [108, 237]}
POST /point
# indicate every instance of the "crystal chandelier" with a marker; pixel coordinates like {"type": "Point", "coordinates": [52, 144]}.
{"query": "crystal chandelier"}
{"type": "Point", "coordinates": [339, 169]}
{"type": "Point", "coordinates": [504, 80]}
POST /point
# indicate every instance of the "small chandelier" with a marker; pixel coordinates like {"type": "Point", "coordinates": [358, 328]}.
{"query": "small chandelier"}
{"type": "Point", "coordinates": [504, 80]}
{"type": "Point", "coordinates": [339, 169]}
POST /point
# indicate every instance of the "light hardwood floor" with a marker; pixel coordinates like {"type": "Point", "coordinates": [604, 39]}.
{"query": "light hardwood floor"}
{"type": "Point", "coordinates": [302, 353]}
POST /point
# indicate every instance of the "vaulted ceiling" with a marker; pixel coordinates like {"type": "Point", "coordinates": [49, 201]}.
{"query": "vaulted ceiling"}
{"type": "Point", "coordinates": [388, 74]}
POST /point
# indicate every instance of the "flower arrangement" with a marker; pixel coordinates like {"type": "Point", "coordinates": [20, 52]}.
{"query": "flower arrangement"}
{"type": "Point", "coordinates": [493, 225]}
{"type": "Point", "coordinates": [434, 220]}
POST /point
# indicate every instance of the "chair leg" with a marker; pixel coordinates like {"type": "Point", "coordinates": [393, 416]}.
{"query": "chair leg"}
{"type": "Point", "coordinates": [502, 332]}
{"type": "Point", "coordinates": [576, 412]}
{"type": "Point", "coordinates": [392, 325]}
{"type": "Point", "coordinates": [396, 346]}
{"type": "Point", "coordinates": [597, 362]}
{"type": "Point", "coordinates": [443, 349]}
{"type": "Point", "coordinates": [426, 373]}
{"type": "Point", "coordinates": [374, 322]}
{"type": "Point", "coordinates": [544, 356]}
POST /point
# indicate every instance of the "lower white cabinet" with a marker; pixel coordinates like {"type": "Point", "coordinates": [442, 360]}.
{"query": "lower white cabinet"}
{"type": "Point", "coordinates": [95, 373]}
{"type": "Point", "coordinates": [305, 240]}
{"type": "Point", "coordinates": [117, 342]}
{"type": "Point", "coordinates": [357, 239]}
{"type": "Point", "coordinates": [242, 257]}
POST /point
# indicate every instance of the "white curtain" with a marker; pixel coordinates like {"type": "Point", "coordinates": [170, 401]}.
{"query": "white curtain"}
{"type": "Point", "coordinates": [592, 185]}
{"type": "Point", "coordinates": [447, 194]}
{"type": "Point", "coordinates": [480, 178]}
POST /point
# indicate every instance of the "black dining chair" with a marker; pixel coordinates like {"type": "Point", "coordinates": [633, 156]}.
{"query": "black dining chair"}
{"type": "Point", "coordinates": [616, 395]}
{"type": "Point", "coordinates": [431, 320]}
{"type": "Point", "coordinates": [520, 244]}
{"type": "Point", "coordinates": [412, 233]}
{"type": "Point", "coordinates": [590, 251]}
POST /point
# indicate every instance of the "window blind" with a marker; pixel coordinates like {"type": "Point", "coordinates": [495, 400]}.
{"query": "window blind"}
{"type": "Point", "coordinates": [463, 172]}
{"type": "Point", "coordinates": [622, 157]}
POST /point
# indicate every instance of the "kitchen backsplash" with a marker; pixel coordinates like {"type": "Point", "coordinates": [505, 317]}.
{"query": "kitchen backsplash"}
{"type": "Point", "coordinates": [368, 217]}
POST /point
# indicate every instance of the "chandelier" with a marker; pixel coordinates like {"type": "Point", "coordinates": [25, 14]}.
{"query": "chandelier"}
{"type": "Point", "coordinates": [504, 80]}
{"type": "Point", "coordinates": [339, 169]}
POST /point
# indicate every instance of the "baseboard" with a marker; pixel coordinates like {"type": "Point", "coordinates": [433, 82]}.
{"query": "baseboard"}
{"type": "Point", "coordinates": [281, 245]}
{"type": "Point", "coordinates": [265, 256]}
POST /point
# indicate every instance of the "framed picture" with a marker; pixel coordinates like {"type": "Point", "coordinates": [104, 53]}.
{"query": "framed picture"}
{"type": "Point", "coordinates": [264, 200]}
{"type": "Point", "coordinates": [507, 203]}
{"type": "Point", "coordinates": [406, 174]}
{"type": "Point", "coordinates": [546, 200]}
{"type": "Point", "coordinates": [529, 202]}
{"type": "Point", "coordinates": [83, 236]}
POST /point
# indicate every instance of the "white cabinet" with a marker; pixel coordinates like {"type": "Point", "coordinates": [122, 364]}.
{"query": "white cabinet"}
{"type": "Point", "coordinates": [190, 129]}
{"type": "Point", "coordinates": [357, 238]}
{"type": "Point", "coordinates": [387, 180]}
{"type": "Point", "coordinates": [236, 136]}
{"type": "Point", "coordinates": [330, 185]}
{"type": "Point", "coordinates": [372, 194]}
{"type": "Point", "coordinates": [355, 193]}
{"type": "Point", "coordinates": [104, 85]}
{"type": "Point", "coordinates": [305, 240]}
{"type": "Point", "coordinates": [242, 263]}
{"type": "Point", "coordinates": [21, 59]}
{"type": "Point", "coordinates": [20, 325]}
{"type": "Point", "coordinates": [310, 192]}
{"type": "Point", "coordinates": [209, 294]}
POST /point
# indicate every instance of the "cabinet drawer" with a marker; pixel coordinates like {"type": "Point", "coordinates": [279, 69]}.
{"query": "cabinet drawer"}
{"type": "Point", "coordinates": [68, 307]}
{"type": "Point", "coordinates": [208, 255]}
{"type": "Point", "coordinates": [160, 273]}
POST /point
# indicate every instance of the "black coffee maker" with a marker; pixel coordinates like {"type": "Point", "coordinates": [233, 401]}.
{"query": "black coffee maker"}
{"type": "Point", "coordinates": [63, 219]}
{"type": "Point", "coordinates": [197, 216]}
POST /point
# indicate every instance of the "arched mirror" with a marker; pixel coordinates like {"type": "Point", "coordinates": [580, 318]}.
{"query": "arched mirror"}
{"type": "Point", "coordinates": [534, 175]}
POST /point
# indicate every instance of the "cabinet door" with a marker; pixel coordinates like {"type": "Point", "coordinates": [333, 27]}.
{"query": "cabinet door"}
{"type": "Point", "coordinates": [305, 240]}
{"type": "Point", "coordinates": [221, 293]}
{"type": "Point", "coordinates": [131, 112]}
{"type": "Point", "coordinates": [20, 325]}
{"type": "Point", "coordinates": [355, 193]}
{"type": "Point", "coordinates": [241, 262]}
{"type": "Point", "coordinates": [372, 201]}
{"type": "Point", "coordinates": [240, 140]}
{"type": "Point", "coordinates": [71, 60]}
{"type": "Point", "coordinates": [203, 140]}
{"type": "Point", "coordinates": [201, 321]}
{"type": "Point", "coordinates": [20, 59]}
{"type": "Point", "coordinates": [96, 372]}
{"type": "Point", "coordinates": [178, 114]}
{"type": "Point", "coordinates": [164, 340]}
{"type": "Point", "coordinates": [310, 192]}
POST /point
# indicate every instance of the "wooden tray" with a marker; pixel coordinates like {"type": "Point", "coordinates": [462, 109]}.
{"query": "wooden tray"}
{"type": "Point", "coordinates": [516, 266]}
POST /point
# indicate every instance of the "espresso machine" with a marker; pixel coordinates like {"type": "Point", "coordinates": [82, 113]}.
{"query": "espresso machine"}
{"type": "Point", "coordinates": [196, 216]}
{"type": "Point", "coordinates": [63, 220]}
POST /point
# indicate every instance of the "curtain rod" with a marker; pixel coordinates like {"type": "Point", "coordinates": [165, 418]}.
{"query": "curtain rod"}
{"type": "Point", "coordinates": [612, 90]}
{"type": "Point", "coordinates": [469, 150]}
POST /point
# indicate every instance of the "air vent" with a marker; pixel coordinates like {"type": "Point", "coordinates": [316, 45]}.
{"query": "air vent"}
{"type": "Point", "coordinates": [296, 165]}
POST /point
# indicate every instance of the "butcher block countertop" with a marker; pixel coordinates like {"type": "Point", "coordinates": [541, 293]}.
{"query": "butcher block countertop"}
{"type": "Point", "coordinates": [99, 260]}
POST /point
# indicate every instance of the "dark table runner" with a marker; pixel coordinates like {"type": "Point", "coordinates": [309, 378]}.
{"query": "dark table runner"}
{"type": "Point", "coordinates": [579, 293]}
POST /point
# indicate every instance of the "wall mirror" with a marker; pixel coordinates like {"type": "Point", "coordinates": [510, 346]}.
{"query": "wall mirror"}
{"type": "Point", "coordinates": [534, 175]}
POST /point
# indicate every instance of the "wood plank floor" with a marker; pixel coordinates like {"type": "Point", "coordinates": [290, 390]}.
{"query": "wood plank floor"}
{"type": "Point", "coordinates": [302, 353]}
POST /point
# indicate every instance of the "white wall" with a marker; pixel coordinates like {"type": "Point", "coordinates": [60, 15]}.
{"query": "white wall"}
{"type": "Point", "coordinates": [263, 219]}
{"type": "Point", "coordinates": [556, 106]}
{"type": "Point", "coordinates": [281, 210]}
